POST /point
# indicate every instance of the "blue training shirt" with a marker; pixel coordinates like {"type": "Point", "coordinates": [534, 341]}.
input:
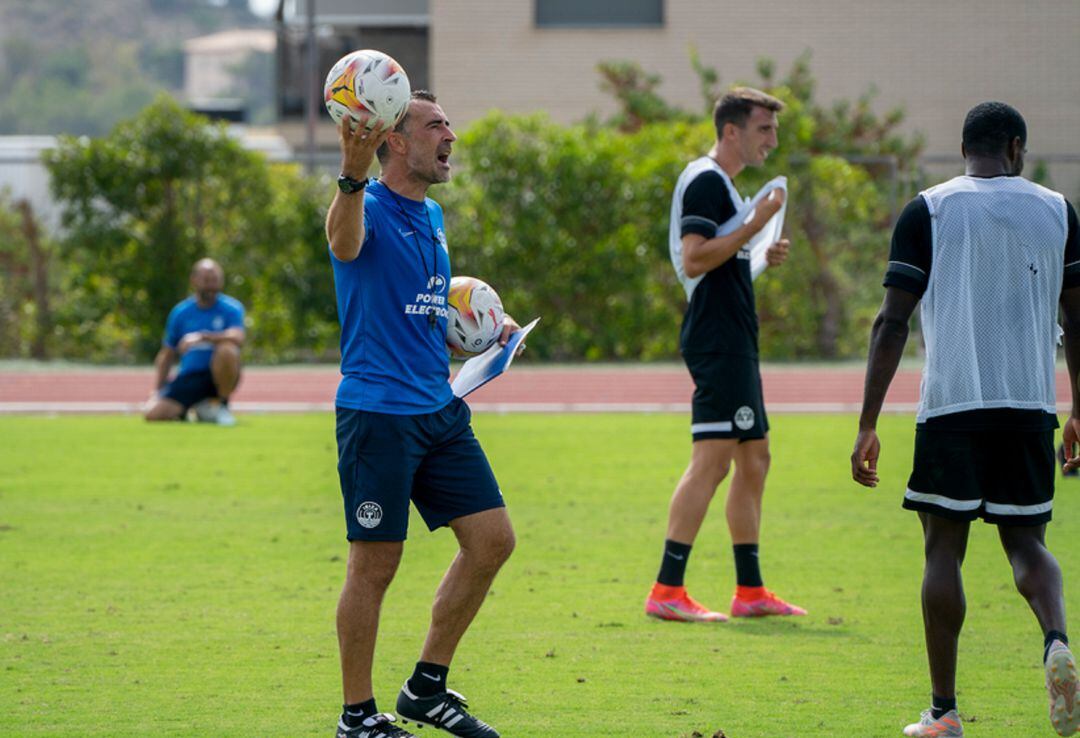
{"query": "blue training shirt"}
{"type": "Point", "coordinates": [188, 317]}
{"type": "Point", "coordinates": [392, 360]}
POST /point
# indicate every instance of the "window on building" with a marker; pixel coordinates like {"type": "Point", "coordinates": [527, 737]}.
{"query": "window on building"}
{"type": "Point", "coordinates": [599, 13]}
{"type": "Point", "coordinates": [409, 45]}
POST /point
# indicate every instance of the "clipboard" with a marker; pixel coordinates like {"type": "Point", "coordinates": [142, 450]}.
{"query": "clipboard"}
{"type": "Point", "coordinates": [479, 370]}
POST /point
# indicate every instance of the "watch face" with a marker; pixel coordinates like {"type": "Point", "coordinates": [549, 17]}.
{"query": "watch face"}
{"type": "Point", "coordinates": [348, 184]}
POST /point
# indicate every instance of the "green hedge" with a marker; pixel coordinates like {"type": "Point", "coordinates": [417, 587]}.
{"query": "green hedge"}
{"type": "Point", "coordinates": [567, 222]}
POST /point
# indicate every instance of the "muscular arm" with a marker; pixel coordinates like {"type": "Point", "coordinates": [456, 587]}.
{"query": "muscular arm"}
{"type": "Point", "coordinates": [1070, 322]}
{"type": "Point", "coordinates": [345, 225]}
{"type": "Point", "coordinates": [701, 254]}
{"type": "Point", "coordinates": [234, 335]}
{"type": "Point", "coordinates": [887, 339]}
{"type": "Point", "coordinates": [163, 364]}
{"type": "Point", "coordinates": [229, 335]}
{"type": "Point", "coordinates": [345, 219]}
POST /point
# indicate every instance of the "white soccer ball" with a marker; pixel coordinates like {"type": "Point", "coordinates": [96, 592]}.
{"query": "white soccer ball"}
{"type": "Point", "coordinates": [369, 86]}
{"type": "Point", "coordinates": [475, 316]}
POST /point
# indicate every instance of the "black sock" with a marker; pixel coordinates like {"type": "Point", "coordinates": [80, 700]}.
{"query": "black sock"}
{"type": "Point", "coordinates": [353, 715]}
{"type": "Point", "coordinates": [428, 679]}
{"type": "Point", "coordinates": [747, 573]}
{"type": "Point", "coordinates": [673, 565]}
{"type": "Point", "coordinates": [941, 705]}
{"type": "Point", "coordinates": [1051, 636]}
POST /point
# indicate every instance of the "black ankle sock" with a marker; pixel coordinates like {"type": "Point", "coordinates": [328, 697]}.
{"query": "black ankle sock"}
{"type": "Point", "coordinates": [673, 565]}
{"type": "Point", "coordinates": [428, 679]}
{"type": "Point", "coordinates": [353, 715]}
{"type": "Point", "coordinates": [1051, 636]}
{"type": "Point", "coordinates": [941, 705]}
{"type": "Point", "coordinates": [747, 572]}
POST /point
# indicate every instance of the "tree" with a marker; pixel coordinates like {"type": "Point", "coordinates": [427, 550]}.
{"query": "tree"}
{"type": "Point", "coordinates": [164, 189]}
{"type": "Point", "coordinates": [25, 294]}
{"type": "Point", "coordinates": [572, 221]}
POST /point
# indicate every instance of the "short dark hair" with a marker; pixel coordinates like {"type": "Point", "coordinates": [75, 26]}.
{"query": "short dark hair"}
{"type": "Point", "coordinates": [737, 105]}
{"type": "Point", "coordinates": [990, 126]}
{"type": "Point", "coordinates": [384, 150]}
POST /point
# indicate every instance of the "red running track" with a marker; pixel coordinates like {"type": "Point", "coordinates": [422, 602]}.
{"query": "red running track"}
{"type": "Point", "coordinates": [657, 388]}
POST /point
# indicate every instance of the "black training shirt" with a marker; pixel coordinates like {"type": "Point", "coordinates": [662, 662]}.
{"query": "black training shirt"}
{"type": "Point", "coordinates": [721, 317]}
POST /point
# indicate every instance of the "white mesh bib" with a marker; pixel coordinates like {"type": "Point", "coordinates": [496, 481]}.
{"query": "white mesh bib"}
{"type": "Point", "coordinates": [692, 170]}
{"type": "Point", "coordinates": [989, 315]}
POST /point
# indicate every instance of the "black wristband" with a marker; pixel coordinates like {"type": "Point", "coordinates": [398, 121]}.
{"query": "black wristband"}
{"type": "Point", "coordinates": [348, 185]}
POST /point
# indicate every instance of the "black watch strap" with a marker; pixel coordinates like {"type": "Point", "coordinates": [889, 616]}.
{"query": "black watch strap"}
{"type": "Point", "coordinates": [348, 185]}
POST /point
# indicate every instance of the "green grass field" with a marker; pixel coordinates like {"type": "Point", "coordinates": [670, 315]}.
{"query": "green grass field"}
{"type": "Point", "coordinates": [181, 580]}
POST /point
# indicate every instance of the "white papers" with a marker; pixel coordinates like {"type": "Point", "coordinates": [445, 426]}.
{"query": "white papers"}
{"type": "Point", "coordinates": [479, 370]}
{"type": "Point", "coordinates": [770, 234]}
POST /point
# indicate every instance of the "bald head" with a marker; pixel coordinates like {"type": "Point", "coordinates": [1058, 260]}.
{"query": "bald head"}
{"type": "Point", "coordinates": [207, 280]}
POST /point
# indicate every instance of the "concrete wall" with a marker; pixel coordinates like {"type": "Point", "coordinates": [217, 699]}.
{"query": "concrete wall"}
{"type": "Point", "coordinates": [935, 58]}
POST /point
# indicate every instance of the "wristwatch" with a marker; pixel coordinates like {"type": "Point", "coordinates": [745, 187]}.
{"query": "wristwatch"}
{"type": "Point", "coordinates": [348, 185]}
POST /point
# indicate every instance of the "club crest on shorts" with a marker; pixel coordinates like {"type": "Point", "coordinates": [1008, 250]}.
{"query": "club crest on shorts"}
{"type": "Point", "coordinates": [744, 418]}
{"type": "Point", "coordinates": [369, 514]}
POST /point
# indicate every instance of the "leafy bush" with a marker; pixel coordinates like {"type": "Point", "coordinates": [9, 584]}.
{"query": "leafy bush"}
{"type": "Point", "coordinates": [164, 189]}
{"type": "Point", "coordinates": [571, 222]}
{"type": "Point", "coordinates": [567, 222]}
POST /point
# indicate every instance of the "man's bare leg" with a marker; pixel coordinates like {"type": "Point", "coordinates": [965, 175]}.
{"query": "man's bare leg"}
{"type": "Point", "coordinates": [710, 461]}
{"type": "Point", "coordinates": [225, 368]}
{"type": "Point", "coordinates": [371, 568]}
{"type": "Point", "coordinates": [747, 489]}
{"type": "Point", "coordinates": [164, 409]}
{"type": "Point", "coordinates": [486, 540]}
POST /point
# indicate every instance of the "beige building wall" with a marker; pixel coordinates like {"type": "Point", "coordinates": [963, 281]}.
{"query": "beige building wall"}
{"type": "Point", "coordinates": [210, 62]}
{"type": "Point", "coordinates": [936, 58]}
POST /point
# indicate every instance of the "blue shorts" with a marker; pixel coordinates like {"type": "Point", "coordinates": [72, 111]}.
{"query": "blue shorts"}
{"type": "Point", "coordinates": [191, 388]}
{"type": "Point", "coordinates": [433, 459]}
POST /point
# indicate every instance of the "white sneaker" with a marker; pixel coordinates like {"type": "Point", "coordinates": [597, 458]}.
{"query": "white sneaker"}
{"type": "Point", "coordinates": [1061, 686]}
{"type": "Point", "coordinates": [206, 411]}
{"type": "Point", "coordinates": [225, 417]}
{"type": "Point", "coordinates": [946, 726]}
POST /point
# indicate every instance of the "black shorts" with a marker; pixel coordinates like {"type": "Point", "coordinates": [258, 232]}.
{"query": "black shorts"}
{"type": "Point", "coordinates": [191, 388]}
{"type": "Point", "coordinates": [727, 397]}
{"type": "Point", "coordinates": [1006, 478]}
{"type": "Point", "coordinates": [433, 459]}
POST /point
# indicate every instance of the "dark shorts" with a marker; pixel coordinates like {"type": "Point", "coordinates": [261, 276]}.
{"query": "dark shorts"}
{"type": "Point", "coordinates": [1006, 478]}
{"type": "Point", "coordinates": [727, 397]}
{"type": "Point", "coordinates": [433, 459]}
{"type": "Point", "coordinates": [191, 388]}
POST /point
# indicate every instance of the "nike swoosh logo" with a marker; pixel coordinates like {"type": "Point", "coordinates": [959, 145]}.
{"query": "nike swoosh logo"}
{"type": "Point", "coordinates": [680, 557]}
{"type": "Point", "coordinates": [432, 678]}
{"type": "Point", "coordinates": [406, 234]}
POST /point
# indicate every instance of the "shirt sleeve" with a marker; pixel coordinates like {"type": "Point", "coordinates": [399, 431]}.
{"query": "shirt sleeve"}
{"type": "Point", "coordinates": [706, 205]}
{"type": "Point", "coordinates": [369, 226]}
{"type": "Point", "coordinates": [236, 316]}
{"type": "Point", "coordinates": [1072, 250]}
{"type": "Point", "coordinates": [910, 254]}
{"type": "Point", "coordinates": [172, 329]}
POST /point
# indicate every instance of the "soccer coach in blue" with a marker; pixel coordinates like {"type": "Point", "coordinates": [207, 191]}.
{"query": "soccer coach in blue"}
{"type": "Point", "coordinates": [402, 435]}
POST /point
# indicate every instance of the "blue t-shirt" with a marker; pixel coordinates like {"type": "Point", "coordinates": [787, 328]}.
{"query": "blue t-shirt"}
{"type": "Point", "coordinates": [188, 317]}
{"type": "Point", "coordinates": [393, 360]}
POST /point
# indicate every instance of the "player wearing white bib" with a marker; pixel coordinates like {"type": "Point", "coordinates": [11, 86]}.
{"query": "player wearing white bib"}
{"type": "Point", "coordinates": [991, 256]}
{"type": "Point", "coordinates": [719, 342]}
